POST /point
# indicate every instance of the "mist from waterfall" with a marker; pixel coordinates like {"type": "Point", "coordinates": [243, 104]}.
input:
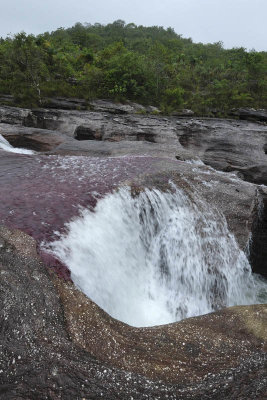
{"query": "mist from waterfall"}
{"type": "Point", "coordinates": [5, 145]}
{"type": "Point", "coordinates": [156, 258]}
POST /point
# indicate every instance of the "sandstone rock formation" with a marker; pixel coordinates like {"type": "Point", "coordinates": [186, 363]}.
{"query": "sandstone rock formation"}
{"type": "Point", "coordinates": [227, 145]}
{"type": "Point", "coordinates": [56, 343]}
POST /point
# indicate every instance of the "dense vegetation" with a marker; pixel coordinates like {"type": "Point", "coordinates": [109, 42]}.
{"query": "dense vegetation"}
{"type": "Point", "coordinates": [150, 65]}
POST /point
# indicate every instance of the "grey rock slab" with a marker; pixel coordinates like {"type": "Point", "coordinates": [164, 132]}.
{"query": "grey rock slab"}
{"type": "Point", "coordinates": [250, 114]}
{"type": "Point", "coordinates": [227, 145]}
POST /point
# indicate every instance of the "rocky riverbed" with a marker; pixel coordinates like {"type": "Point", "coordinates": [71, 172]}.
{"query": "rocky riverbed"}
{"type": "Point", "coordinates": [56, 343]}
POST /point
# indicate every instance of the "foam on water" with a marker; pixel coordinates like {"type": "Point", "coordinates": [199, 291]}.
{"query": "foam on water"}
{"type": "Point", "coordinates": [156, 258]}
{"type": "Point", "coordinates": [5, 145]}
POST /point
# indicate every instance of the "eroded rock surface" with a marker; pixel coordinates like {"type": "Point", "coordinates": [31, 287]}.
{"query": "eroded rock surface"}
{"type": "Point", "coordinates": [250, 114]}
{"type": "Point", "coordinates": [227, 145]}
{"type": "Point", "coordinates": [31, 138]}
{"type": "Point", "coordinates": [56, 343]}
{"type": "Point", "coordinates": [48, 191]}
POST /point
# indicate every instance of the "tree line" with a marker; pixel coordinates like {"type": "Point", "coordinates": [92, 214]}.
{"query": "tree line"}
{"type": "Point", "coordinates": [118, 61]}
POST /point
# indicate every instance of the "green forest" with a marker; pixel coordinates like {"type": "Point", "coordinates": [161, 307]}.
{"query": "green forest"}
{"type": "Point", "coordinates": [118, 61]}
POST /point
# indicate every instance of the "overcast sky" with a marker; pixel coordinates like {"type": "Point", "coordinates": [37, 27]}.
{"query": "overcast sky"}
{"type": "Point", "coordinates": [234, 22]}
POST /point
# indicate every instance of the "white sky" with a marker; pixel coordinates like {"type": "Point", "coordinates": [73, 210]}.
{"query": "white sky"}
{"type": "Point", "coordinates": [234, 22]}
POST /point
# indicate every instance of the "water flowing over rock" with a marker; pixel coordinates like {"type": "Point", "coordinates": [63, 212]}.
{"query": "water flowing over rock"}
{"type": "Point", "coordinates": [143, 212]}
{"type": "Point", "coordinates": [6, 146]}
{"type": "Point", "coordinates": [156, 258]}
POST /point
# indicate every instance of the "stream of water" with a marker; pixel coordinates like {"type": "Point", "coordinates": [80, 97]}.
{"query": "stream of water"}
{"type": "Point", "coordinates": [156, 258]}
{"type": "Point", "coordinates": [5, 145]}
{"type": "Point", "coordinates": [146, 259]}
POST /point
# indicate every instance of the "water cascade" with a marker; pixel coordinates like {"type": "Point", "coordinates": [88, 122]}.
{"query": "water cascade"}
{"type": "Point", "coordinates": [156, 258]}
{"type": "Point", "coordinates": [5, 145]}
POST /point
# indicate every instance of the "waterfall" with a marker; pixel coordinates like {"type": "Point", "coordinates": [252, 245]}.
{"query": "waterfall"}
{"type": "Point", "coordinates": [5, 145]}
{"type": "Point", "coordinates": [156, 258]}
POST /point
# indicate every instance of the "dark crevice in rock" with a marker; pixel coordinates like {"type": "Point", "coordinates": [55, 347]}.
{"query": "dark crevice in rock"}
{"type": "Point", "coordinates": [87, 133]}
{"type": "Point", "coordinates": [256, 174]}
{"type": "Point", "coordinates": [146, 137]}
{"type": "Point", "coordinates": [26, 142]}
{"type": "Point", "coordinates": [185, 139]}
{"type": "Point", "coordinates": [258, 248]}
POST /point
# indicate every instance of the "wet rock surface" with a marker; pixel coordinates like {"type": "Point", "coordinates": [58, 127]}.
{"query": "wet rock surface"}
{"type": "Point", "coordinates": [48, 190]}
{"type": "Point", "coordinates": [227, 145]}
{"type": "Point", "coordinates": [31, 138]}
{"type": "Point", "coordinates": [258, 248]}
{"type": "Point", "coordinates": [56, 343]}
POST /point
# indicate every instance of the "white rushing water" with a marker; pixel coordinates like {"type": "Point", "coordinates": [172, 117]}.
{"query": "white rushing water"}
{"type": "Point", "coordinates": [156, 258]}
{"type": "Point", "coordinates": [5, 145]}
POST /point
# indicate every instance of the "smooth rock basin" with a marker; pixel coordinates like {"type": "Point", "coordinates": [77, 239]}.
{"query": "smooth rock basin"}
{"type": "Point", "coordinates": [57, 343]}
